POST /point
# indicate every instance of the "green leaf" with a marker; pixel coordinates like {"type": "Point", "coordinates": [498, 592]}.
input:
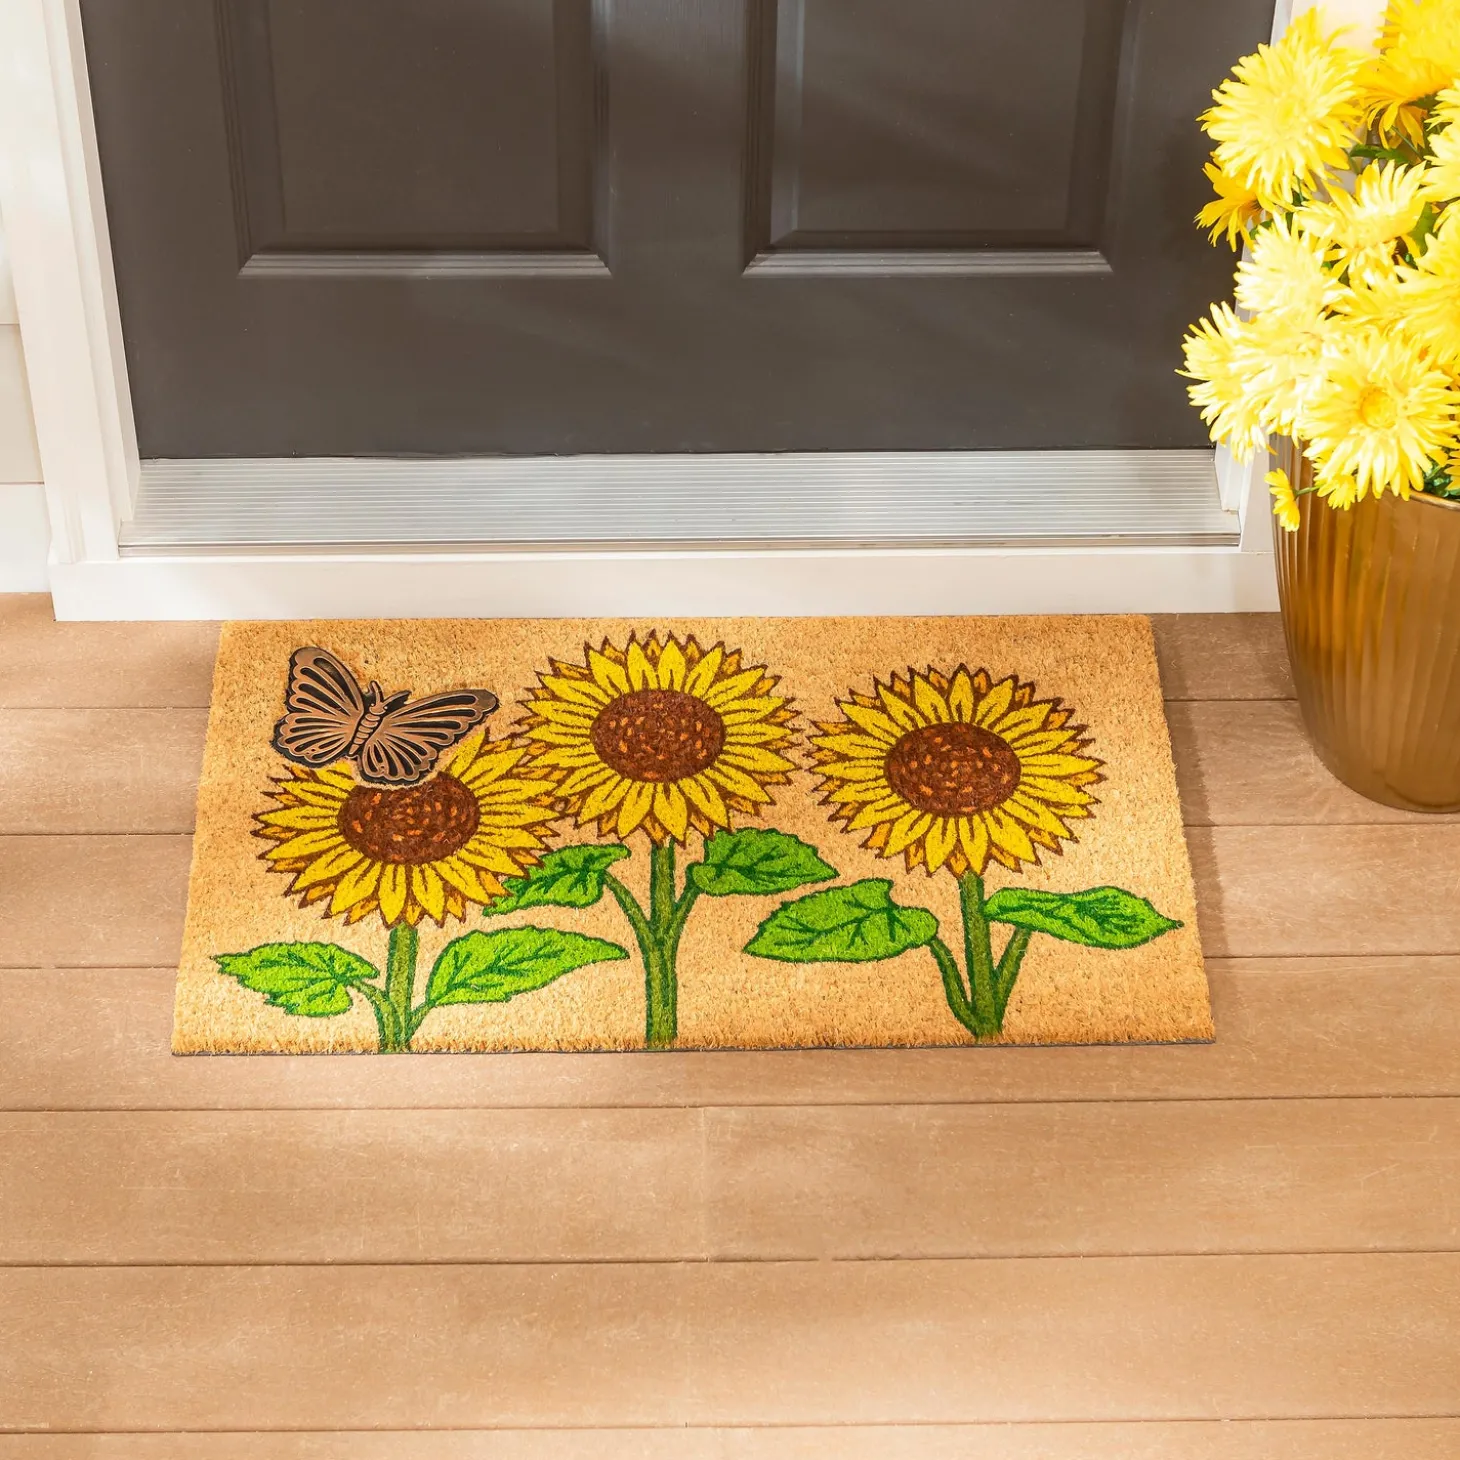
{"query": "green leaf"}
{"type": "Point", "coordinates": [756, 862]}
{"type": "Point", "coordinates": [568, 877]}
{"type": "Point", "coordinates": [490, 968]}
{"type": "Point", "coordinates": [312, 979]}
{"type": "Point", "coordinates": [859, 923]}
{"type": "Point", "coordinates": [1099, 917]}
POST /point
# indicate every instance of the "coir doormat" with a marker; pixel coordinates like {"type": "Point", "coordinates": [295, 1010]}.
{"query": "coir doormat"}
{"type": "Point", "coordinates": [738, 833]}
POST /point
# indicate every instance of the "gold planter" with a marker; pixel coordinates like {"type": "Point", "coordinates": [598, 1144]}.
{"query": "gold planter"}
{"type": "Point", "coordinates": [1371, 607]}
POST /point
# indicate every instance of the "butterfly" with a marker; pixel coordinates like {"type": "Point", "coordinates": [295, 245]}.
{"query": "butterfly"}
{"type": "Point", "coordinates": [391, 739]}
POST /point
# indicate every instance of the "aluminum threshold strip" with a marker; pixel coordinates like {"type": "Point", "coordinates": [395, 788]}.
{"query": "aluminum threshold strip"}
{"type": "Point", "coordinates": [812, 501]}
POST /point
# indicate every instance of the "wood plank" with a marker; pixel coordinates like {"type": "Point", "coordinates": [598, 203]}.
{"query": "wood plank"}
{"type": "Point", "coordinates": [1250, 763]}
{"type": "Point", "coordinates": [44, 664]}
{"type": "Point", "coordinates": [1315, 1439]}
{"type": "Point", "coordinates": [100, 1040]}
{"type": "Point", "coordinates": [1222, 656]}
{"type": "Point", "coordinates": [108, 770]}
{"type": "Point", "coordinates": [1273, 891]}
{"type": "Point", "coordinates": [73, 901]}
{"type": "Point", "coordinates": [345, 1186]}
{"type": "Point", "coordinates": [389, 1186]}
{"type": "Point", "coordinates": [1073, 1339]}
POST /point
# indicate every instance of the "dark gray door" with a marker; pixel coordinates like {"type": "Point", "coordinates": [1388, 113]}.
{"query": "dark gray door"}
{"type": "Point", "coordinates": [356, 227]}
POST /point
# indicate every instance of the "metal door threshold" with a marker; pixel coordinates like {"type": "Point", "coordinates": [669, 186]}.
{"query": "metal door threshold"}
{"type": "Point", "coordinates": [832, 501]}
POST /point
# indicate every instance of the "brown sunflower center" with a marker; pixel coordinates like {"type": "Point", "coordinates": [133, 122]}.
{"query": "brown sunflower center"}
{"type": "Point", "coordinates": [409, 825]}
{"type": "Point", "coordinates": [953, 770]}
{"type": "Point", "coordinates": [658, 735]}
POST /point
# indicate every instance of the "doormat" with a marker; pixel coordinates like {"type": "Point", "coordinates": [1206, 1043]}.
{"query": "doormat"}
{"type": "Point", "coordinates": [693, 834]}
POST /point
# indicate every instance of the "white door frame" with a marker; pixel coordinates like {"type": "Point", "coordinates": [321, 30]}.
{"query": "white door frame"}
{"type": "Point", "coordinates": [55, 217]}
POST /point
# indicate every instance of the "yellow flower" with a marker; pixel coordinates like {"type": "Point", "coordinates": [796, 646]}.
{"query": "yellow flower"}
{"type": "Point", "coordinates": [1381, 414]}
{"type": "Point", "coordinates": [1287, 112]}
{"type": "Point", "coordinates": [1284, 500]}
{"type": "Point", "coordinates": [1420, 55]}
{"type": "Point", "coordinates": [1285, 274]}
{"type": "Point", "coordinates": [1362, 228]}
{"type": "Point", "coordinates": [952, 770]}
{"type": "Point", "coordinates": [1430, 294]}
{"type": "Point", "coordinates": [659, 737]}
{"type": "Point", "coordinates": [1442, 175]}
{"type": "Point", "coordinates": [1232, 212]}
{"type": "Point", "coordinates": [1219, 359]}
{"type": "Point", "coordinates": [1338, 491]}
{"type": "Point", "coordinates": [1286, 351]}
{"type": "Point", "coordinates": [408, 852]}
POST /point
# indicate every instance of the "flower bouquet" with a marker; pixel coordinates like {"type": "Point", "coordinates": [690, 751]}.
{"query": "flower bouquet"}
{"type": "Point", "coordinates": [1337, 174]}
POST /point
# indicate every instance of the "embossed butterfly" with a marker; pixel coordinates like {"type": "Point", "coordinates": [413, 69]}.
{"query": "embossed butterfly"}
{"type": "Point", "coordinates": [391, 739]}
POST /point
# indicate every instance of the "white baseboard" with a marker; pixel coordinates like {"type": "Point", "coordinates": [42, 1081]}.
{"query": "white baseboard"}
{"type": "Point", "coordinates": [25, 539]}
{"type": "Point", "coordinates": [274, 585]}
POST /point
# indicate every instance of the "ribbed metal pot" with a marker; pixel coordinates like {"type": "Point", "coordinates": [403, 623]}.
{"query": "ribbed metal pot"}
{"type": "Point", "coordinates": [1371, 607]}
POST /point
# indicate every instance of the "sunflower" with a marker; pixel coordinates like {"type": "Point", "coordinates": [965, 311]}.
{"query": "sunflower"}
{"type": "Point", "coordinates": [1232, 212]}
{"type": "Point", "coordinates": [952, 770]}
{"type": "Point", "coordinates": [408, 852]}
{"type": "Point", "coordinates": [1287, 112]}
{"type": "Point", "coordinates": [1362, 228]}
{"type": "Point", "coordinates": [1285, 274]}
{"type": "Point", "coordinates": [1381, 414]}
{"type": "Point", "coordinates": [1220, 359]}
{"type": "Point", "coordinates": [659, 737]}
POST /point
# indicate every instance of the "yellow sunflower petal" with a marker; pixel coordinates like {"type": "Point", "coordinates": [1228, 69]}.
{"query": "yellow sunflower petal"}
{"type": "Point", "coordinates": [1058, 765]}
{"type": "Point", "coordinates": [317, 793]}
{"type": "Point", "coordinates": [602, 799]}
{"type": "Point", "coordinates": [995, 704]}
{"type": "Point", "coordinates": [606, 673]}
{"type": "Point", "coordinates": [1006, 833]}
{"type": "Point", "coordinates": [462, 757]}
{"type": "Point", "coordinates": [931, 705]}
{"type": "Point", "coordinates": [973, 837]}
{"type": "Point", "coordinates": [642, 674]}
{"type": "Point", "coordinates": [885, 808]}
{"type": "Point", "coordinates": [703, 795]}
{"type": "Point", "coordinates": [573, 717]}
{"type": "Point", "coordinates": [635, 807]}
{"type": "Point", "coordinates": [910, 826]}
{"type": "Point", "coordinates": [355, 887]}
{"type": "Point", "coordinates": [961, 697]}
{"type": "Point", "coordinates": [394, 884]}
{"type": "Point", "coordinates": [1034, 813]}
{"type": "Point", "coordinates": [302, 818]}
{"type": "Point", "coordinates": [902, 714]}
{"type": "Point", "coordinates": [941, 839]}
{"type": "Point", "coordinates": [585, 778]}
{"type": "Point", "coordinates": [672, 810]}
{"type": "Point", "coordinates": [467, 880]}
{"type": "Point", "coordinates": [429, 890]}
{"type": "Point", "coordinates": [306, 844]}
{"type": "Point", "coordinates": [852, 746]}
{"type": "Point", "coordinates": [1048, 788]}
{"type": "Point", "coordinates": [583, 692]}
{"type": "Point", "coordinates": [1019, 723]}
{"type": "Point", "coordinates": [757, 758]}
{"type": "Point", "coordinates": [879, 726]}
{"type": "Point", "coordinates": [702, 676]}
{"type": "Point", "coordinates": [737, 782]}
{"type": "Point", "coordinates": [672, 666]}
{"type": "Point", "coordinates": [721, 695]}
{"type": "Point", "coordinates": [330, 864]}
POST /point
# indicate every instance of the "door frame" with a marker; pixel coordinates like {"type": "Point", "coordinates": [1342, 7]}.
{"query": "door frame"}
{"type": "Point", "coordinates": [52, 202]}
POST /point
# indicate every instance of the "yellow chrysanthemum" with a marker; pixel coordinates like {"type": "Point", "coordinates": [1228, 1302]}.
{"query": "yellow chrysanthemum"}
{"type": "Point", "coordinates": [1219, 360]}
{"type": "Point", "coordinates": [1362, 228]}
{"type": "Point", "coordinates": [1232, 212]}
{"type": "Point", "coordinates": [1287, 112]}
{"type": "Point", "coordinates": [1419, 56]}
{"type": "Point", "coordinates": [1442, 174]}
{"type": "Point", "coordinates": [1284, 500]}
{"type": "Point", "coordinates": [408, 852]}
{"type": "Point", "coordinates": [1381, 414]}
{"type": "Point", "coordinates": [952, 770]}
{"type": "Point", "coordinates": [1431, 294]}
{"type": "Point", "coordinates": [1283, 357]}
{"type": "Point", "coordinates": [1338, 491]}
{"type": "Point", "coordinates": [659, 737]}
{"type": "Point", "coordinates": [1285, 273]}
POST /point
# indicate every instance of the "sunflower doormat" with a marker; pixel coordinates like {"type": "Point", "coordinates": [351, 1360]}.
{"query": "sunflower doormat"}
{"type": "Point", "coordinates": [749, 833]}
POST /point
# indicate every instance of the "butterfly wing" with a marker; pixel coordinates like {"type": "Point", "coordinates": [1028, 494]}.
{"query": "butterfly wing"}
{"type": "Point", "coordinates": [409, 740]}
{"type": "Point", "coordinates": [324, 706]}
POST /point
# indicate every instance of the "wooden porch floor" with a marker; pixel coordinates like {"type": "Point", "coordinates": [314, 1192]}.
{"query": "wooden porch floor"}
{"type": "Point", "coordinates": [1249, 1251]}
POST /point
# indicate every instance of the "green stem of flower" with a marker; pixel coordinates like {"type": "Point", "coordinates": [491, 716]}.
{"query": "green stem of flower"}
{"type": "Point", "coordinates": [661, 987]}
{"type": "Point", "coordinates": [1008, 971]}
{"type": "Point", "coordinates": [953, 989]}
{"type": "Point", "coordinates": [979, 955]}
{"type": "Point", "coordinates": [400, 989]}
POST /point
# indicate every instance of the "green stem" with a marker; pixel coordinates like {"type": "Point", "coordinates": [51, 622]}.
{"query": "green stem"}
{"type": "Point", "coordinates": [979, 955]}
{"type": "Point", "coordinates": [384, 1014]}
{"type": "Point", "coordinates": [952, 984]}
{"type": "Point", "coordinates": [400, 988]}
{"type": "Point", "coordinates": [661, 988]}
{"type": "Point", "coordinates": [1008, 971]}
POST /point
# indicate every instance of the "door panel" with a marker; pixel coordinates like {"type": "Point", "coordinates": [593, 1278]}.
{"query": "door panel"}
{"type": "Point", "coordinates": [374, 227]}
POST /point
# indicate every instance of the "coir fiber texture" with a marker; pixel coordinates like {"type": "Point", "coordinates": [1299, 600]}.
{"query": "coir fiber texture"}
{"type": "Point", "coordinates": [692, 834]}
